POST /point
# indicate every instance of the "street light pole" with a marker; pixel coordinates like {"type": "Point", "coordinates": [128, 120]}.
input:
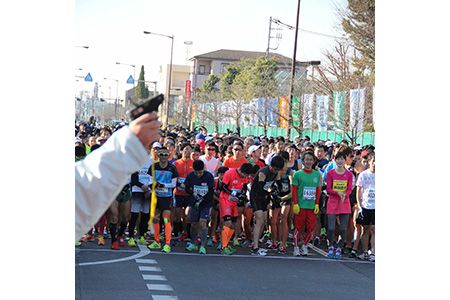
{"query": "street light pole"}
{"type": "Point", "coordinates": [291, 88]}
{"type": "Point", "coordinates": [116, 101]}
{"type": "Point", "coordinates": [134, 71]}
{"type": "Point", "coordinates": [166, 116]}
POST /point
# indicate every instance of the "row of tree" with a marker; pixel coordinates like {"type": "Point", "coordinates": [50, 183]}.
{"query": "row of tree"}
{"type": "Point", "coordinates": [349, 65]}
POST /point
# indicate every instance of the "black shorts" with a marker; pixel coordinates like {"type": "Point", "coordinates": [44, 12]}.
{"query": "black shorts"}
{"type": "Point", "coordinates": [164, 204]}
{"type": "Point", "coordinates": [259, 204]}
{"type": "Point", "coordinates": [366, 217]}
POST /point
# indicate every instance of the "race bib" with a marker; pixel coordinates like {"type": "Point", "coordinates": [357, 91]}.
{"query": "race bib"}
{"type": "Point", "coordinates": [340, 186]}
{"type": "Point", "coordinates": [284, 187]}
{"type": "Point", "coordinates": [162, 191]}
{"type": "Point", "coordinates": [309, 193]}
{"type": "Point", "coordinates": [144, 178]}
{"type": "Point", "coordinates": [268, 185]}
{"type": "Point", "coordinates": [231, 197]}
{"type": "Point", "coordinates": [201, 190]}
{"type": "Point", "coordinates": [371, 196]}
{"type": "Point", "coordinates": [181, 180]}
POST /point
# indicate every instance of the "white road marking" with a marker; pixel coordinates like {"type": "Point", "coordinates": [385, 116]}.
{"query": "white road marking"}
{"type": "Point", "coordinates": [150, 269]}
{"type": "Point", "coordinates": [164, 297]}
{"type": "Point", "coordinates": [143, 252]}
{"type": "Point", "coordinates": [154, 277]}
{"type": "Point", "coordinates": [146, 261]}
{"type": "Point", "coordinates": [159, 287]}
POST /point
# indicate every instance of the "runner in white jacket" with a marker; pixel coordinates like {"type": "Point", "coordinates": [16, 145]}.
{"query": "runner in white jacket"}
{"type": "Point", "coordinates": [100, 177]}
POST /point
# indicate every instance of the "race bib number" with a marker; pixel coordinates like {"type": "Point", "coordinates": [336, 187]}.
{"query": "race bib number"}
{"type": "Point", "coordinates": [181, 181]}
{"type": "Point", "coordinates": [162, 191]}
{"type": "Point", "coordinates": [201, 190]}
{"type": "Point", "coordinates": [371, 196]}
{"type": "Point", "coordinates": [231, 197]}
{"type": "Point", "coordinates": [144, 177]}
{"type": "Point", "coordinates": [340, 186]}
{"type": "Point", "coordinates": [268, 185]}
{"type": "Point", "coordinates": [309, 193]}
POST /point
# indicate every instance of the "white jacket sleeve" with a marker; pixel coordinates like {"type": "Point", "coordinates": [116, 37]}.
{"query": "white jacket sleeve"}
{"type": "Point", "coordinates": [102, 174]}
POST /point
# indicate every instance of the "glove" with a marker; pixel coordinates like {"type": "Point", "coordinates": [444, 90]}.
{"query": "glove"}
{"type": "Point", "coordinates": [316, 209]}
{"type": "Point", "coordinates": [296, 209]}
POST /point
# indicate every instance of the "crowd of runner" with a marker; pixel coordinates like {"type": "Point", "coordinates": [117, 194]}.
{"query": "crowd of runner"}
{"type": "Point", "coordinates": [227, 191]}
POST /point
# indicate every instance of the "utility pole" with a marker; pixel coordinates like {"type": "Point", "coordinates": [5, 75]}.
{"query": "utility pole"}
{"type": "Point", "coordinates": [268, 40]}
{"type": "Point", "coordinates": [291, 88]}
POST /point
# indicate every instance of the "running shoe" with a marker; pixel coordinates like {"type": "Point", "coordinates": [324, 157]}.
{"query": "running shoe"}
{"type": "Point", "coordinates": [166, 249]}
{"type": "Point", "coordinates": [77, 244]}
{"type": "Point", "coordinates": [235, 242]}
{"type": "Point", "coordinates": [219, 246]}
{"type": "Point", "coordinates": [87, 237]}
{"type": "Point", "coordinates": [101, 240]}
{"type": "Point", "coordinates": [290, 236]}
{"type": "Point", "coordinates": [259, 252]}
{"type": "Point", "coordinates": [282, 250]}
{"type": "Point", "coordinates": [142, 241]}
{"type": "Point", "coordinates": [115, 245]}
{"type": "Point", "coordinates": [323, 231]}
{"type": "Point", "coordinates": [353, 254]}
{"type": "Point", "coordinates": [154, 245]}
{"type": "Point", "coordinates": [202, 250]}
{"type": "Point", "coordinates": [191, 247]}
{"type": "Point", "coordinates": [346, 251]}
{"type": "Point", "coordinates": [304, 250]}
{"type": "Point", "coordinates": [122, 242]}
{"type": "Point", "coordinates": [174, 242]}
{"type": "Point", "coordinates": [209, 243]}
{"type": "Point", "coordinates": [269, 243]}
{"type": "Point", "coordinates": [330, 252]}
{"type": "Point", "coordinates": [364, 256]}
{"type": "Point", "coordinates": [296, 251]}
{"type": "Point", "coordinates": [131, 242]}
{"type": "Point", "coordinates": [227, 251]}
{"type": "Point", "coordinates": [338, 254]}
{"type": "Point", "coordinates": [372, 257]}
{"type": "Point", "coordinates": [214, 239]}
{"type": "Point", "coordinates": [316, 242]}
{"type": "Point", "coordinates": [246, 244]}
{"type": "Point", "coordinates": [232, 249]}
{"type": "Point", "coordinates": [267, 234]}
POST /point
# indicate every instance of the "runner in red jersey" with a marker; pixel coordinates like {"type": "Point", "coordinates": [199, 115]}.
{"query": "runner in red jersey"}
{"type": "Point", "coordinates": [238, 158]}
{"type": "Point", "coordinates": [182, 199]}
{"type": "Point", "coordinates": [233, 188]}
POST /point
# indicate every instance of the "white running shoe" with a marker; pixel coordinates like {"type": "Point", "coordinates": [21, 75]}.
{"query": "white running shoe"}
{"type": "Point", "coordinates": [372, 257]}
{"type": "Point", "coordinates": [304, 250]}
{"type": "Point", "coordinates": [296, 251]}
{"type": "Point", "coordinates": [259, 252]}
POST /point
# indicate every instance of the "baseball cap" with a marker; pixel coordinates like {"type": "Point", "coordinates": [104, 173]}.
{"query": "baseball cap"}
{"type": "Point", "coordinates": [77, 140]}
{"type": "Point", "coordinates": [156, 145]}
{"type": "Point", "coordinates": [253, 148]}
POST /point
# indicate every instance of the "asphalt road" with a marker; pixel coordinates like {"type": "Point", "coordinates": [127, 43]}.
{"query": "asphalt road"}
{"type": "Point", "coordinates": [138, 273]}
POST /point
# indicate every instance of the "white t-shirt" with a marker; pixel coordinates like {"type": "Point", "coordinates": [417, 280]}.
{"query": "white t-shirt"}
{"type": "Point", "coordinates": [210, 165]}
{"type": "Point", "coordinates": [366, 180]}
{"type": "Point", "coordinates": [144, 177]}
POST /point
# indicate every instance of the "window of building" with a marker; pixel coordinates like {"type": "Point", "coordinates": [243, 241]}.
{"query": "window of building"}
{"type": "Point", "coordinates": [201, 69]}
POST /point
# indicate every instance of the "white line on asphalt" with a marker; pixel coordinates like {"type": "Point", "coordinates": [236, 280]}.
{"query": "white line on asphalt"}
{"type": "Point", "coordinates": [164, 297]}
{"type": "Point", "coordinates": [154, 277]}
{"type": "Point", "coordinates": [151, 269]}
{"type": "Point", "coordinates": [146, 261]}
{"type": "Point", "coordinates": [143, 252]}
{"type": "Point", "coordinates": [159, 287]}
{"type": "Point", "coordinates": [268, 257]}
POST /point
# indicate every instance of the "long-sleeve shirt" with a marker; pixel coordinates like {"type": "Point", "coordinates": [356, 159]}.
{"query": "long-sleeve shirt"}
{"type": "Point", "coordinates": [339, 183]}
{"type": "Point", "coordinates": [102, 174]}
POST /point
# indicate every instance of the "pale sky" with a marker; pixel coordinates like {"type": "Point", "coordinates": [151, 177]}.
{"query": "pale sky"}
{"type": "Point", "coordinates": [113, 30]}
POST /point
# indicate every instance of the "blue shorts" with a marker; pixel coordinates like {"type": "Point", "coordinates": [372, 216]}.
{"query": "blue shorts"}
{"type": "Point", "coordinates": [183, 201]}
{"type": "Point", "coordinates": [200, 213]}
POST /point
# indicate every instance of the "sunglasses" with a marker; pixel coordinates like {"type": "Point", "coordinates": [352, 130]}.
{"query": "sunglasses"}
{"type": "Point", "coordinates": [211, 149]}
{"type": "Point", "coordinates": [237, 149]}
{"type": "Point", "coordinates": [163, 154]}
